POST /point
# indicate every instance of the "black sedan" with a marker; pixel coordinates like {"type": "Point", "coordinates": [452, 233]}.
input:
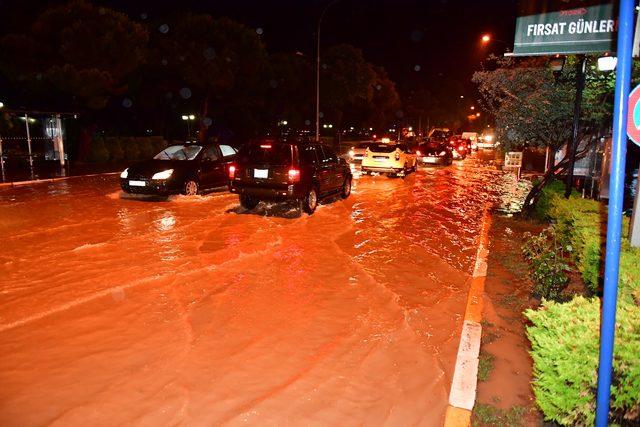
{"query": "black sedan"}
{"type": "Point", "coordinates": [434, 153]}
{"type": "Point", "coordinates": [185, 168]}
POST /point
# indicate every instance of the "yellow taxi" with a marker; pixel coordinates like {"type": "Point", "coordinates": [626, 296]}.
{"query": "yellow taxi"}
{"type": "Point", "coordinates": [389, 158]}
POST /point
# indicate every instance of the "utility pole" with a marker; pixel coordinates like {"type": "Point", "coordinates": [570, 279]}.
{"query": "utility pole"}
{"type": "Point", "coordinates": [573, 146]}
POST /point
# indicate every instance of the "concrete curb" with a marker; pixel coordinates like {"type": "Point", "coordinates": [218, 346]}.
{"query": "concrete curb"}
{"type": "Point", "coordinates": [61, 178]}
{"type": "Point", "coordinates": [465, 376]}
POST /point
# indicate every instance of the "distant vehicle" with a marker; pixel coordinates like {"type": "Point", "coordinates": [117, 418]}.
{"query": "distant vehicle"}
{"type": "Point", "coordinates": [184, 168]}
{"type": "Point", "coordinates": [356, 154]}
{"type": "Point", "coordinates": [440, 134]}
{"type": "Point", "coordinates": [392, 159]}
{"type": "Point", "coordinates": [460, 147]}
{"type": "Point", "coordinates": [487, 140]}
{"type": "Point", "coordinates": [435, 153]}
{"type": "Point", "coordinates": [473, 137]}
{"type": "Point", "coordinates": [281, 170]}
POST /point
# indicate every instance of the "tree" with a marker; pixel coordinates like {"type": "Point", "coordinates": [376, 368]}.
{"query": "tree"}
{"type": "Point", "coordinates": [74, 56]}
{"type": "Point", "coordinates": [534, 108]}
{"type": "Point", "coordinates": [78, 51]}
{"type": "Point", "coordinates": [354, 88]}
{"type": "Point", "coordinates": [221, 62]}
{"type": "Point", "coordinates": [291, 89]}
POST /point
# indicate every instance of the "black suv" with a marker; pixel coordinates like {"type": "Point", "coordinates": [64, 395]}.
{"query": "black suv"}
{"type": "Point", "coordinates": [282, 170]}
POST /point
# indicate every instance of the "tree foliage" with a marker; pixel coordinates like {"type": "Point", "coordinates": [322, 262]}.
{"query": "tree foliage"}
{"type": "Point", "coordinates": [79, 50]}
{"type": "Point", "coordinates": [131, 77]}
{"type": "Point", "coordinates": [533, 107]}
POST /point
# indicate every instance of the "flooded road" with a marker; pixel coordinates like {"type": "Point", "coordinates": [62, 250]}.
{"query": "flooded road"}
{"type": "Point", "coordinates": [192, 311]}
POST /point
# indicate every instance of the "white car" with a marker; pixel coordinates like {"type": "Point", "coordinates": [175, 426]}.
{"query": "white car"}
{"type": "Point", "coordinates": [487, 141]}
{"type": "Point", "coordinates": [392, 159]}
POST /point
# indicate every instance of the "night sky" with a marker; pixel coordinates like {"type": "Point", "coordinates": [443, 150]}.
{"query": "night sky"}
{"type": "Point", "coordinates": [439, 38]}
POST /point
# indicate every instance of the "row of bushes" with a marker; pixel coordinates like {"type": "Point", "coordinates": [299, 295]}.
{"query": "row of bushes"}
{"type": "Point", "coordinates": [118, 149]}
{"type": "Point", "coordinates": [564, 335]}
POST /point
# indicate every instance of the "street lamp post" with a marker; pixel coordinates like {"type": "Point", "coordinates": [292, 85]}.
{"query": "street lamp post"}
{"type": "Point", "coordinates": [487, 38]}
{"type": "Point", "coordinates": [318, 68]}
{"type": "Point", "coordinates": [189, 118]}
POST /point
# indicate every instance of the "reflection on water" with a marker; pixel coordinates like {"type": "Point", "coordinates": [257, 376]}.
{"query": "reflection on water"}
{"type": "Point", "coordinates": [196, 308]}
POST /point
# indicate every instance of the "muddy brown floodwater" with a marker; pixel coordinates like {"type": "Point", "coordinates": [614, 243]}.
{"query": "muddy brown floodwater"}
{"type": "Point", "coordinates": [192, 311]}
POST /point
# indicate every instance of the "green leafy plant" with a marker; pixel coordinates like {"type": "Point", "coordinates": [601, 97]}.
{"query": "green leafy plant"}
{"type": "Point", "coordinates": [545, 255]}
{"type": "Point", "coordinates": [564, 339]}
{"type": "Point", "coordinates": [491, 416]}
{"type": "Point", "coordinates": [485, 365]}
{"type": "Point", "coordinates": [99, 152]}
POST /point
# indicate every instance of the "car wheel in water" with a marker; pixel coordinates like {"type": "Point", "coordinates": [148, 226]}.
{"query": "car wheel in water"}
{"type": "Point", "coordinates": [346, 188]}
{"type": "Point", "coordinates": [310, 201]}
{"type": "Point", "coordinates": [191, 187]}
{"type": "Point", "coordinates": [248, 202]}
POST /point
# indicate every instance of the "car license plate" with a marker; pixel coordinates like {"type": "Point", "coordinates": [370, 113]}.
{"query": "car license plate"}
{"type": "Point", "coordinates": [137, 183]}
{"type": "Point", "coordinates": [430, 159]}
{"type": "Point", "coordinates": [261, 173]}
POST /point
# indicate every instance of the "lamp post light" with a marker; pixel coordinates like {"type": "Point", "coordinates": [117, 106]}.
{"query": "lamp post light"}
{"type": "Point", "coordinates": [189, 118]}
{"type": "Point", "coordinates": [487, 38]}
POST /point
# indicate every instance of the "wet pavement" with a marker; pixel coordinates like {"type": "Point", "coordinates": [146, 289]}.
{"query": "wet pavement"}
{"type": "Point", "coordinates": [192, 311]}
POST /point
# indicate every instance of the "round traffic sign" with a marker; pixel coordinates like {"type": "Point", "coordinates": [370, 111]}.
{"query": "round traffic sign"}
{"type": "Point", "coordinates": [633, 115]}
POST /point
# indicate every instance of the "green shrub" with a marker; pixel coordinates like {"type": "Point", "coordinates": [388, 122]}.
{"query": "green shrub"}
{"type": "Point", "coordinates": [158, 144]}
{"type": "Point", "coordinates": [99, 152]}
{"type": "Point", "coordinates": [545, 255]}
{"type": "Point", "coordinates": [146, 147]}
{"type": "Point", "coordinates": [552, 189]}
{"type": "Point", "coordinates": [116, 153]}
{"type": "Point", "coordinates": [564, 339]}
{"type": "Point", "coordinates": [131, 149]}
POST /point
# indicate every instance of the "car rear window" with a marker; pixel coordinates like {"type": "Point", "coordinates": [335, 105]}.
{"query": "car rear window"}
{"type": "Point", "coordinates": [266, 153]}
{"type": "Point", "coordinates": [382, 148]}
{"type": "Point", "coordinates": [430, 147]}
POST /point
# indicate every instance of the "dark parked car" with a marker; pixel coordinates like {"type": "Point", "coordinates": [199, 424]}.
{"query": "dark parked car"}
{"type": "Point", "coordinates": [281, 170]}
{"type": "Point", "coordinates": [435, 153]}
{"type": "Point", "coordinates": [186, 168]}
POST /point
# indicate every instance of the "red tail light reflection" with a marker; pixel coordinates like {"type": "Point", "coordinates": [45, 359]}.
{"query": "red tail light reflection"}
{"type": "Point", "coordinates": [294, 175]}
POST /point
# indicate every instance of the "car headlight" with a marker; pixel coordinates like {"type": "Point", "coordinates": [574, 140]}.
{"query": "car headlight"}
{"type": "Point", "coordinates": [125, 173]}
{"type": "Point", "coordinates": [488, 138]}
{"type": "Point", "coordinates": [163, 175]}
{"type": "Point", "coordinates": [442, 153]}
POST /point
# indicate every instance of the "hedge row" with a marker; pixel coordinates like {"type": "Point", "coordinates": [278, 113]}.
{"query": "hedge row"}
{"type": "Point", "coordinates": [118, 149]}
{"type": "Point", "coordinates": [565, 335]}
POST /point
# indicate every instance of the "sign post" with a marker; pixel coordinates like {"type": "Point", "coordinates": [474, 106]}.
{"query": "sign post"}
{"type": "Point", "coordinates": [633, 132]}
{"type": "Point", "coordinates": [513, 160]}
{"type": "Point", "coordinates": [551, 27]}
{"type": "Point", "coordinates": [614, 220]}
{"type": "Point", "coordinates": [564, 31]}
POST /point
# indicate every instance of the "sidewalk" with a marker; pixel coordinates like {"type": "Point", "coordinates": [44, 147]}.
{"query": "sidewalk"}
{"type": "Point", "coordinates": [505, 397]}
{"type": "Point", "coordinates": [16, 176]}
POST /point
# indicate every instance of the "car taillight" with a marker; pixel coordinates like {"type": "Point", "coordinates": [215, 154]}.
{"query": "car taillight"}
{"type": "Point", "coordinates": [294, 175]}
{"type": "Point", "coordinates": [232, 172]}
{"type": "Point", "coordinates": [461, 148]}
{"type": "Point", "coordinates": [418, 153]}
